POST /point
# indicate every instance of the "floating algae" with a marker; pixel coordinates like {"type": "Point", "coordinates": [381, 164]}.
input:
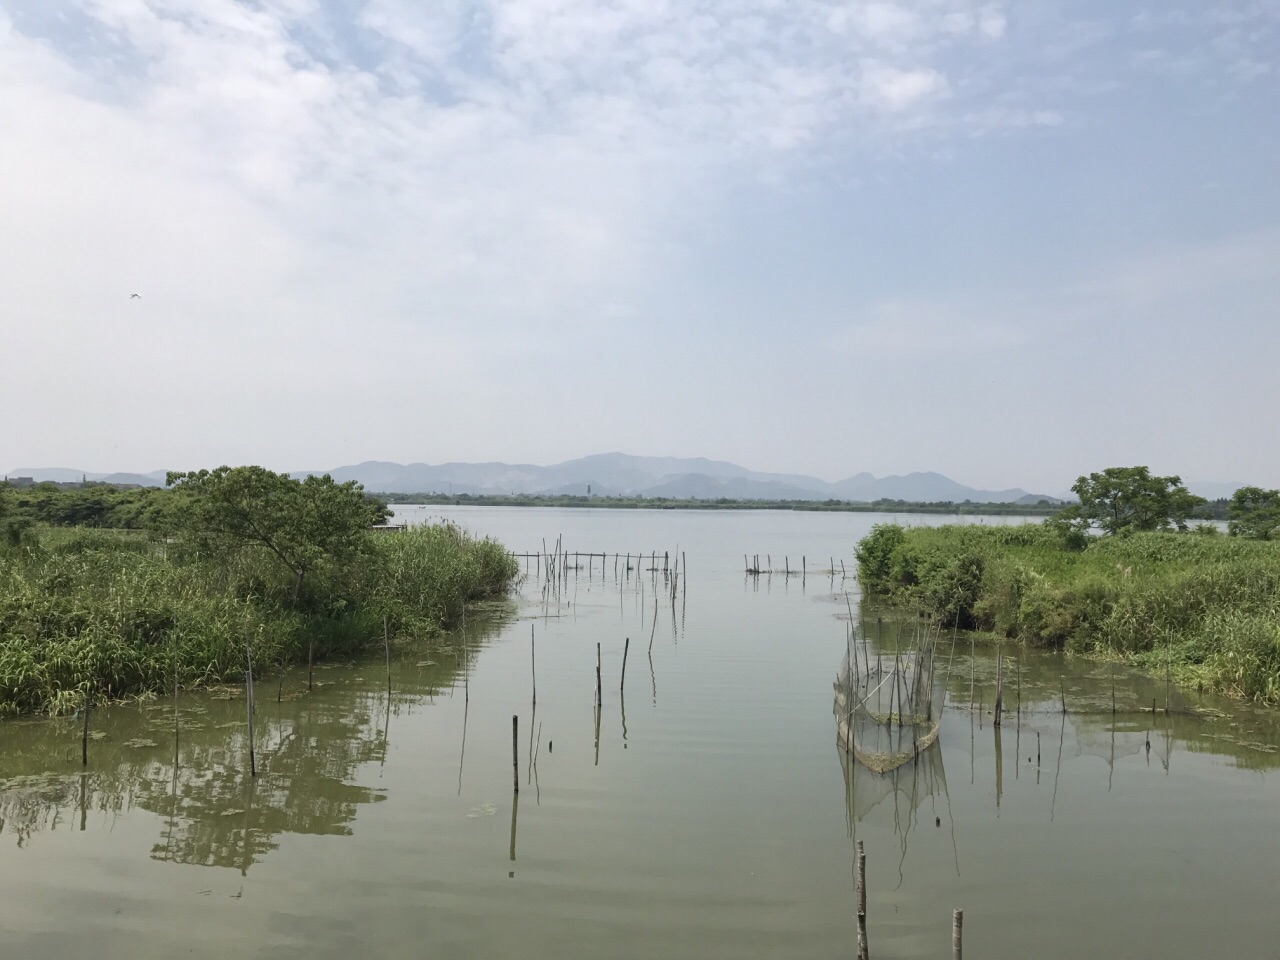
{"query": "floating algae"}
{"type": "Point", "coordinates": [484, 810]}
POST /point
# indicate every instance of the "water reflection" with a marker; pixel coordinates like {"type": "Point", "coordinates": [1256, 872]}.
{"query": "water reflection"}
{"type": "Point", "coordinates": [1056, 710]}
{"type": "Point", "coordinates": [310, 753]}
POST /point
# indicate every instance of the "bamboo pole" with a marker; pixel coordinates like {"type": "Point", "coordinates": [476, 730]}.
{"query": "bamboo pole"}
{"type": "Point", "coordinates": [622, 686]}
{"type": "Point", "coordinates": [248, 700]}
{"type": "Point", "coordinates": [84, 735]}
{"type": "Point", "coordinates": [957, 930]}
{"type": "Point", "coordinates": [863, 953]}
{"type": "Point", "coordinates": [999, 686]}
{"type": "Point", "coordinates": [515, 753]}
{"type": "Point", "coordinates": [386, 642]}
{"type": "Point", "coordinates": [599, 695]}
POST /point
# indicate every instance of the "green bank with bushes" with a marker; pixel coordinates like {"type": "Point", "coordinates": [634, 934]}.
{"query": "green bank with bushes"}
{"type": "Point", "coordinates": [1208, 604]}
{"type": "Point", "coordinates": [1122, 574]}
{"type": "Point", "coordinates": [228, 564]}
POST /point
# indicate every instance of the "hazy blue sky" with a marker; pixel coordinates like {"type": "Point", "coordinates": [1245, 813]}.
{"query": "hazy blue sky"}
{"type": "Point", "coordinates": [1011, 242]}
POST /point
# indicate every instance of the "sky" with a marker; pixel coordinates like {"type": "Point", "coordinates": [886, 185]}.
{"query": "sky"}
{"type": "Point", "coordinates": [1011, 242]}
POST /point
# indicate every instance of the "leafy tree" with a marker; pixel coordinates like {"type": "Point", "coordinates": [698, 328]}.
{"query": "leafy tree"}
{"type": "Point", "coordinates": [1254, 514]}
{"type": "Point", "coordinates": [303, 524]}
{"type": "Point", "coordinates": [1130, 499]}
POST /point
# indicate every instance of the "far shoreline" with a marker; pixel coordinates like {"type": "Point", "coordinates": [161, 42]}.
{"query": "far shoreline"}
{"type": "Point", "coordinates": [943, 508]}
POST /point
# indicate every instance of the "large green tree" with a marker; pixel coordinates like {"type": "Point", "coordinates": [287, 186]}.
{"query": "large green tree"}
{"type": "Point", "coordinates": [302, 523]}
{"type": "Point", "coordinates": [1254, 513]}
{"type": "Point", "coordinates": [1130, 498]}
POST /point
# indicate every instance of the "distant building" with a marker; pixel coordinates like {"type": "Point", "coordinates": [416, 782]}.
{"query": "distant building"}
{"type": "Point", "coordinates": [20, 481]}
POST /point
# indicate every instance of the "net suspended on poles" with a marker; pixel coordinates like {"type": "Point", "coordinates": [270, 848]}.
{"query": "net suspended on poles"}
{"type": "Point", "coordinates": [889, 700]}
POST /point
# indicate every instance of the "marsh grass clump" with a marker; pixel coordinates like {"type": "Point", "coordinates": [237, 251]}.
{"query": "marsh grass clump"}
{"type": "Point", "coordinates": [88, 613]}
{"type": "Point", "coordinates": [1205, 606]}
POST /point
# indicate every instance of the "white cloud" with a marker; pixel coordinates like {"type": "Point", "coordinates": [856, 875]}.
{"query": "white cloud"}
{"type": "Point", "coordinates": [337, 207]}
{"type": "Point", "coordinates": [894, 89]}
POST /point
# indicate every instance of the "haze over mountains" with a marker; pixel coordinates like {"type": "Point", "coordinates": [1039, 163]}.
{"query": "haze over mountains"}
{"type": "Point", "coordinates": [619, 474]}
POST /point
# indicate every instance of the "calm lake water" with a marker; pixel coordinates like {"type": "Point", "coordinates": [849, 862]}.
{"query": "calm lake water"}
{"type": "Point", "coordinates": [704, 812]}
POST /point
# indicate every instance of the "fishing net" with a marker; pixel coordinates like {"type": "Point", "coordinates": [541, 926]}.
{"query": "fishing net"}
{"type": "Point", "coordinates": [888, 702]}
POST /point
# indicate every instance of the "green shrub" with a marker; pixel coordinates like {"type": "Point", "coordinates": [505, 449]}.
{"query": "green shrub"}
{"type": "Point", "coordinates": [1211, 602]}
{"type": "Point", "coordinates": [105, 614]}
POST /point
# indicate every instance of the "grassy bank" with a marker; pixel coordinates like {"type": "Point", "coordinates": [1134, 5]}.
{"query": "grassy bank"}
{"type": "Point", "coordinates": [1209, 604]}
{"type": "Point", "coordinates": [110, 614]}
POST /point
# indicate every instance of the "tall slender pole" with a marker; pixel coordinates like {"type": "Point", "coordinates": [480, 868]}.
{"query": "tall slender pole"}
{"type": "Point", "coordinates": [515, 753]}
{"type": "Point", "coordinates": [626, 647]}
{"type": "Point", "coordinates": [862, 903]}
{"type": "Point", "coordinates": [999, 686]}
{"type": "Point", "coordinates": [248, 701]}
{"type": "Point", "coordinates": [599, 694]}
{"type": "Point", "coordinates": [957, 929]}
{"type": "Point", "coordinates": [533, 663]}
{"type": "Point", "coordinates": [386, 641]}
{"type": "Point", "coordinates": [84, 736]}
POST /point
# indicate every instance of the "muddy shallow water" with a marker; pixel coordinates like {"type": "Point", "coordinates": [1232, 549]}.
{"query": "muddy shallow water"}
{"type": "Point", "coordinates": [705, 810]}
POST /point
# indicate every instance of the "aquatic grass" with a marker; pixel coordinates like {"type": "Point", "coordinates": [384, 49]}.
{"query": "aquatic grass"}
{"type": "Point", "coordinates": [90, 614]}
{"type": "Point", "coordinates": [1207, 607]}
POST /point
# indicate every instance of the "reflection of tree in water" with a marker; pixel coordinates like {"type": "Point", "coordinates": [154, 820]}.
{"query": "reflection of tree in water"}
{"type": "Point", "coordinates": [309, 750]}
{"type": "Point", "coordinates": [214, 812]}
{"type": "Point", "coordinates": [218, 815]}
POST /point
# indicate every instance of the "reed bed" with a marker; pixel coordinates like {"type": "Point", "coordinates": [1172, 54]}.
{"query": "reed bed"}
{"type": "Point", "coordinates": [1203, 606]}
{"type": "Point", "coordinates": [90, 614]}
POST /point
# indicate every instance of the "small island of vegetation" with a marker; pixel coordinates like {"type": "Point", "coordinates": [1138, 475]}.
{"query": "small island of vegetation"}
{"type": "Point", "coordinates": [106, 593]}
{"type": "Point", "coordinates": [1121, 575]}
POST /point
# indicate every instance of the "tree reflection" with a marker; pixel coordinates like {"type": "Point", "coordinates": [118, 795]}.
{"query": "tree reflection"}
{"type": "Point", "coordinates": [312, 753]}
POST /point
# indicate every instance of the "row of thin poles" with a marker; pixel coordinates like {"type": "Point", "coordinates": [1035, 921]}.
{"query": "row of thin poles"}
{"type": "Point", "coordinates": [752, 567]}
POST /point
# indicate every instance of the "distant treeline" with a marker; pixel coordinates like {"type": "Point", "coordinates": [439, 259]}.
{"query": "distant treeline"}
{"type": "Point", "coordinates": [1043, 508]}
{"type": "Point", "coordinates": [96, 505]}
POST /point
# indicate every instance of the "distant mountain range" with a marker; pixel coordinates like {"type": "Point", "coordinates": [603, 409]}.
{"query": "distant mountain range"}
{"type": "Point", "coordinates": [620, 474]}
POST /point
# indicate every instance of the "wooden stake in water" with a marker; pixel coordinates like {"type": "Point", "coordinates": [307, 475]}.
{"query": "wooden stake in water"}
{"type": "Point", "coordinates": [861, 892]}
{"type": "Point", "coordinates": [599, 693]}
{"type": "Point", "coordinates": [248, 700]}
{"type": "Point", "coordinates": [957, 929]}
{"type": "Point", "coordinates": [386, 642]}
{"type": "Point", "coordinates": [515, 753]}
{"type": "Point", "coordinates": [999, 686]}
{"type": "Point", "coordinates": [625, 648]}
{"type": "Point", "coordinates": [84, 736]}
{"type": "Point", "coordinates": [1019, 668]}
{"type": "Point", "coordinates": [533, 663]}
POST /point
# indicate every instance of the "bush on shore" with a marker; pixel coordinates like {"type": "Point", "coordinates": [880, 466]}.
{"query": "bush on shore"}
{"type": "Point", "coordinates": [108, 614]}
{"type": "Point", "coordinates": [1210, 604]}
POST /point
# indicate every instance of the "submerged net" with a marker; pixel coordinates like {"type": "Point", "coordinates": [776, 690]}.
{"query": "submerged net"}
{"type": "Point", "coordinates": [888, 703]}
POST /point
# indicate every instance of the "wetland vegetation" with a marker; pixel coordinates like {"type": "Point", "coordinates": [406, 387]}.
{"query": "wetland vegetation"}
{"type": "Point", "coordinates": [1120, 575]}
{"type": "Point", "coordinates": [1200, 604]}
{"type": "Point", "coordinates": [226, 562]}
